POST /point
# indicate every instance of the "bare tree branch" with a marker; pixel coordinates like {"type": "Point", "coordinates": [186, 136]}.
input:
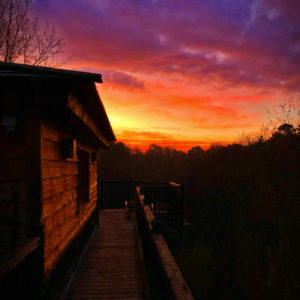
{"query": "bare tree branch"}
{"type": "Point", "coordinates": [286, 112]}
{"type": "Point", "coordinates": [23, 39]}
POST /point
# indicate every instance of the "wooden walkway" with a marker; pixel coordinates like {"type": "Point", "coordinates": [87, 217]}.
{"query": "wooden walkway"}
{"type": "Point", "coordinates": [112, 268]}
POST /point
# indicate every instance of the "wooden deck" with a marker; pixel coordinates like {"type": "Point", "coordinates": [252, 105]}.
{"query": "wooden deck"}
{"type": "Point", "coordinates": [112, 267]}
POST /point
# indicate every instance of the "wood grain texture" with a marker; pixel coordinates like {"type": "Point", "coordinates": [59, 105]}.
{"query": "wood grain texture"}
{"type": "Point", "coordinates": [81, 111]}
{"type": "Point", "coordinates": [18, 256]}
{"type": "Point", "coordinates": [179, 288]}
{"type": "Point", "coordinates": [172, 274]}
{"type": "Point", "coordinates": [19, 179]}
{"type": "Point", "coordinates": [61, 216]}
{"type": "Point", "coordinates": [13, 169]}
{"type": "Point", "coordinates": [112, 268]}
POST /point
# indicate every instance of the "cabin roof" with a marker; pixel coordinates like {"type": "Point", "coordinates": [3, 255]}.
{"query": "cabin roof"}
{"type": "Point", "coordinates": [22, 70]}
{"type": "Point", "coordinates": [87, 90]}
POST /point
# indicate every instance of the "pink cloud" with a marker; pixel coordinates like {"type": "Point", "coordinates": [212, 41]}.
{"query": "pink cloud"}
{"type": "Point", "coordinates": [201, 64]}
{"type": "Point", "coordinates": [122, 80]}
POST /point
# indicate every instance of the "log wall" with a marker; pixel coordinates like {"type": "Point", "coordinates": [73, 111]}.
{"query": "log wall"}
{"type": "Point", "coordinates": [19, 182]}
{"type": "Point", "coordinates": [62, 215]}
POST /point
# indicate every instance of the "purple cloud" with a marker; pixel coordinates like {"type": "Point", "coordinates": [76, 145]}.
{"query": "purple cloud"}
{"type": "Point", "coordinates": [255, 43]}
{"type": "Point", "coordinates": [122, 79]}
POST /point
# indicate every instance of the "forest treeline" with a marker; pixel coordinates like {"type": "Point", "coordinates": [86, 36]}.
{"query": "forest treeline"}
{"type": "Point", "coordinates": [243, 207]}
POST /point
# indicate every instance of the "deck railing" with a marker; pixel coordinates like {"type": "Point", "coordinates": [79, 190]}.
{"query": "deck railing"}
{"type": "Point", "coordinates": [166, 199]}
{"type": "Point", "coordinates": [113, 194]}
{"type": "Point", "coordinates": [161, 201]}
{"type": "Point", "coordinates": [173, 280]}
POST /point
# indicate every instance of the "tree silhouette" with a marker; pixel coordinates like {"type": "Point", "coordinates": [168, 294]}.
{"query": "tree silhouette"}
{"type": "Point", "coordinates": [24, 40]}
{"type": "Point", "coordinates": [286, 129]}
{"type": "Point", "coordinates": [243, 204]}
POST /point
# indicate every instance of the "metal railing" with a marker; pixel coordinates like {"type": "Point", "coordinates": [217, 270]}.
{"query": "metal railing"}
{"type": "Point", "coordinates": [113, 194]}
{"type": "Point", "coordinates": [166, 199]}
{"type": "Point", "coordinates": [166, 202]}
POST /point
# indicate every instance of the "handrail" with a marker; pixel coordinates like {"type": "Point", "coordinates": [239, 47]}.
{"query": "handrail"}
{"type": "Point", "coordinates": [167, 198]}
{"type": "Point", "coordinates": [174, 280]}
{"type": "Point", "coordinates": [167, 202]}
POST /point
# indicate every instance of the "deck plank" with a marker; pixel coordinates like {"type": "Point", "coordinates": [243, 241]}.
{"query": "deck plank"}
{"type": "Point", "coordinates": [111, 268]}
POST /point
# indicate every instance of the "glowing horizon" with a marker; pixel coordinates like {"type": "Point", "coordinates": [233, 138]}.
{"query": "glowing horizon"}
{"type": "Point", "coordinates": [184, 73]}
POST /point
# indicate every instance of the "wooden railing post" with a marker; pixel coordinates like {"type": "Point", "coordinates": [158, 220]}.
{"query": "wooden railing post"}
{"type": "Point", "coordinates": [174, 281]}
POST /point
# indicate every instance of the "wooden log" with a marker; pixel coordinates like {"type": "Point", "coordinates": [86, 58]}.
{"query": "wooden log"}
{"type": "Point", "coordinates": [51, 131]}
{"type": "Point", "coordinates": [149, 216]}
{"type": "Point", "coordinates": [172, 274]}
{"type": "Point", "coordinates": [55, 245]}
{"type": "Point", "coordinates": [15, 146]}
{"type": "Point", "coordinates": [71, 168]}
{"type": "Point", "coordinates": [51, 150]}
{"type": "Point", "coordinates": [58, 185]}
{"type": "Point", "coordinates": [53, 168]}
{"type": "Point", "coordinates": [81, 111]}
{"type": "Point", "coordinates": [52, 205]}
{"type": "Point", "coordinates": [13, 174]}
{"type": "Point", "coordinates": [18, 256]}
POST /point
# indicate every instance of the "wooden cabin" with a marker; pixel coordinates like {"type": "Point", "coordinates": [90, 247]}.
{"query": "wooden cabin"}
{"type": "Point", "coordinates": [52, 124]}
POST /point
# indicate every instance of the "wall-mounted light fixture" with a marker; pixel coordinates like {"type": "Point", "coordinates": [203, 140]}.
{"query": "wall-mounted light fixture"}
{"type": "Point", "coordinates": [9, 123]}
{"type": "Point", "coordinates": [67, 148]}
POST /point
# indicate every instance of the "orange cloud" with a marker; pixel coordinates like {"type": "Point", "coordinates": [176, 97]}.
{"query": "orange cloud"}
{"type": "Point", "coordinates": [184, 146]}
{"type": "Point", "coordinates": [172, 73]}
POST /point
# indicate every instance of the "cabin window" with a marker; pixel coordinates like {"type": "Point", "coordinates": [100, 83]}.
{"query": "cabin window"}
{"type": "Point", "coordinates": [67, 148]}
{"type": "Point", "coordinates": [83, 176]}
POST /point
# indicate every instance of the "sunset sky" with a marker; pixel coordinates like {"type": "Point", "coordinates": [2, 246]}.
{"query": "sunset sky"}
{"type": "Point", "coordinates": [183, 73]}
